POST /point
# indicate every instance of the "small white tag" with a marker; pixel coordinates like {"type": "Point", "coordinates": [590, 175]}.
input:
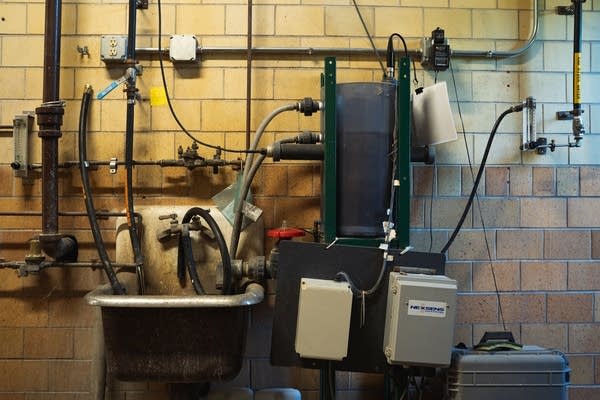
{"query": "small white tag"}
{"type": "Point", "coordinates": [424, 308]}
{"type": "Point", "coordinates": [251, 211]}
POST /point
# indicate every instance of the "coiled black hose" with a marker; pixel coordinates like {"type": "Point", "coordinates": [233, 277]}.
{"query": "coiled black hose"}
{"type": "Point", "coordinates": [87, 194]}
{"type": "Point", "coordinates": [187, 244]}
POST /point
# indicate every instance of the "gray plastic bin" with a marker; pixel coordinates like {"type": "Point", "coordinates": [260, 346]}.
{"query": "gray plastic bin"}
{"type": "Point", "coordinates": [533, 373]}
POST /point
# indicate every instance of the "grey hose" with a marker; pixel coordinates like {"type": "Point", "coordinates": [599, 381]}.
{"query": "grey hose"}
{"type": "Point", "coordinates": [248, 175]}
{"type": "Point", "coordinates": [260, 130]}
{"type": "Point", "coordinates": [239, 216]}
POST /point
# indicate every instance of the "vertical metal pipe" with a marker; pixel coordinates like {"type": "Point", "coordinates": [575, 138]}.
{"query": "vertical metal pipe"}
{"type": "Point", "coordinates": [52, 50]}
{"type": "Point", "coordinates": [131, 29]}
{"type": "Point", "coordinates": [50, 118]}
{"type": "Point", "coordinates": [249, 74]}
{"type": "Point", "coordinates": [131, 90]}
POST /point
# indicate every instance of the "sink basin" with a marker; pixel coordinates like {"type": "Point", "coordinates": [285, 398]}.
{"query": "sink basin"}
{"type": "Point", "coordinates": [174, 338]}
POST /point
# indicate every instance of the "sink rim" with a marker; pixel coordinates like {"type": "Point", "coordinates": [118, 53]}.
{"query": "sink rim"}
{"type": "Point", "coordinates": [103, 296]}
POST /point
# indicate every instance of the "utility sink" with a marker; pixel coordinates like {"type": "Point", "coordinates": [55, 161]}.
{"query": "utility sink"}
{"type": "Point", "coordinates": [174, 338]}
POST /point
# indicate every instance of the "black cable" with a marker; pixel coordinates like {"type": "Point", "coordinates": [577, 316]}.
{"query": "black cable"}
{"type": "Point", "coordinates": [225, 259]}
{"type": "Point", "coordinates": [479, 175]}
{"type": "Point", "coordinates": [433, 180]}
{"type": "Point", "coordinates": [87, 195]}
{"type": "Point", "coordinates": [487, 244]}
{"type": "Point", "coordinates": [391, 47]}
{"type": "Point", "coordinates": [172, 110]}
{"type": "Point", "coordinates": [362, 21]}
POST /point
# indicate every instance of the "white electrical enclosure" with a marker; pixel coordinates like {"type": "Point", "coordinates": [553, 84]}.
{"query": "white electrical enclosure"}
{"type": "Point", "coordinates": [183, 48]}
{"type": "Point", "coordinates": [323, 328]}
{"type": "Point", "coordinates": [419, 321]}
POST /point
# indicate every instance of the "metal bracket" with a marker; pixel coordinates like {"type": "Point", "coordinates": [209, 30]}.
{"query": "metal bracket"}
{"type": "Point", "coordinates": [141, 4]}
{"type": "Point", "coordinates": [565, 10]}
{"type": "Point", "coordinates": [83, 51]}
{"type": "Point", "coordinates": [566, 115]}
{"type": "Point", "coordinates": [112, 165]}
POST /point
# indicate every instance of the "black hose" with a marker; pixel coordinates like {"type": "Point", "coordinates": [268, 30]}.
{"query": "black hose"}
{"type": "Point", "coordinates": [225, 259]}
{"type": "Point", "coordinates": [87, 194]}
{"type": "Point", "coordinates": [188, 253]}
{"type": "Point", "coordinates": [479, 175]}
{"type": "Point", "coordinates": [132, 223]}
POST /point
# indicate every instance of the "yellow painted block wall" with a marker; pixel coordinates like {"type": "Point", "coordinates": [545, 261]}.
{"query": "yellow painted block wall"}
{"type": "Point", "coordinates": [540, 211]}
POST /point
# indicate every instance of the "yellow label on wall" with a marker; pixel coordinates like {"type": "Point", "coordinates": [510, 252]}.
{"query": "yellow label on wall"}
{"type": "Point", "coordinates": [158, 96]}
{"type": "Point", "coordinates": [577, 78]}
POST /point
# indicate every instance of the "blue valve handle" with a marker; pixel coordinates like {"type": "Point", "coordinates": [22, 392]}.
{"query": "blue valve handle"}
{"type": "Point", "coordinates": [110, 87]}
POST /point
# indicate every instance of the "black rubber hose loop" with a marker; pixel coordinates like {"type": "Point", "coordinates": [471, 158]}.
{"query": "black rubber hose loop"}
{"type": "Point", "coordinates": [214, 227]}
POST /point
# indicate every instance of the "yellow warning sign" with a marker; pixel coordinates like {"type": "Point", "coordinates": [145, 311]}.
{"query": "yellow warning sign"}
{"type": "Point", "coordinates": [158, 96]}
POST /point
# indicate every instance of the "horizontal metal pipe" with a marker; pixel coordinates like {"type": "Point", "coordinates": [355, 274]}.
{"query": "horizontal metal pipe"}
{"type": "Point", "coordinates": [102, 297]}
{"type": "Point", "coordinates": [161, 163]}
{"type": "Point", "coordinates": [56, 264]}
{"type": "Point", "coordinates": [340, 51]}
{"type": "Point", "coordinates": [61, 213]}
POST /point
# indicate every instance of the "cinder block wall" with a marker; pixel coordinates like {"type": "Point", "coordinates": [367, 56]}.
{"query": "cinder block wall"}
{"type": "Point", "coordinates": [540, 212]}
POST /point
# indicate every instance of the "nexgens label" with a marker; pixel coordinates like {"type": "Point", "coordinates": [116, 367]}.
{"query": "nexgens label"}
{"type": "Point", "coordinates": [424, 308]}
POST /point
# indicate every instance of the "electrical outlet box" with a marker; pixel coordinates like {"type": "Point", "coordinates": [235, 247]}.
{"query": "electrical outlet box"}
{"type": "Point", "coordinates": [419, 320]}
{"type": "Point", "coordinates": [323, 328]}
{"type": "Point", "coordinates": [183, 48]}
{"type": "Point", "coordinates": [113, 48]}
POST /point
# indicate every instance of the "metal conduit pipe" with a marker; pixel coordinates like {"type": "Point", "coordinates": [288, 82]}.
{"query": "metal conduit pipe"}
{"type": "Point", "coordinates": [131, 91]}
{"type": "Point", "coordinates": [160, 163]}
{"type": "Point", "coordinates": [364, 52]}
{"type": "Point", "coordinates": [99, 214]}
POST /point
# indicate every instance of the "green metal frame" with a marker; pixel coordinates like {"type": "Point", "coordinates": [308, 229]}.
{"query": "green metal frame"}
{"type": "Point", "coordinates": [402, 172]}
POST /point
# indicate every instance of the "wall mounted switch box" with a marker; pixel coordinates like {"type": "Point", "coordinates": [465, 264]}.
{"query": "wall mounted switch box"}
{"type": "Point", "coordinates": [323, 328]}
{"type": "Point", "coordinates": [419, 322]}
{"type": "Point", "coordinates": [183, 48]}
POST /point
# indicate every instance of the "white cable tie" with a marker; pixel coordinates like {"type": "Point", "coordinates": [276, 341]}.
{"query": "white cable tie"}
{"type": "Point", "coordinates": [396, 182]}
{"type": "Point", "coordinates": [384, 246]}
{"type": "Point", "coordinates": [406, 250]}
{"type": "Point", "coordinates": [392, 235]}
{"type": "Point", "coordinates": [332, 243]}
{"type": "Point", "coordinates": [390, 257]}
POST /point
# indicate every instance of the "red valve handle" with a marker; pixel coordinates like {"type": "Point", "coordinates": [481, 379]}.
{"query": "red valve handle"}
{"type": "Point", "coordinates": [285, 233]}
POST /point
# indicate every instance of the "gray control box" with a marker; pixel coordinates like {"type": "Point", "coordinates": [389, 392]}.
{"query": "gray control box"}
{"type": "Point", "coordinates": [419, 322]}
{"type": "Point", "coordinates": [323, 328]}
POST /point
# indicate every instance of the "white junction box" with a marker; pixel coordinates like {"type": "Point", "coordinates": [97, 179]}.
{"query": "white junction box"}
{"type": "Point", "coordinates": [419, 321]}
{"type": "Point", "coordinates": [183, 48]}
{"type": "Point", "coordinates": [323, 328]}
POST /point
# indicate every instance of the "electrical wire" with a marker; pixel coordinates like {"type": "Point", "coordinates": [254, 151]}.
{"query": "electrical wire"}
{"type": "Point", "coordinates": [364, 25]}
{"type": "Point", "coordinates": [172, 110]}
{"type": "Point", "coordinates": [433, 180]}
{"type": "Point", "coordinates": [487, 245]}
